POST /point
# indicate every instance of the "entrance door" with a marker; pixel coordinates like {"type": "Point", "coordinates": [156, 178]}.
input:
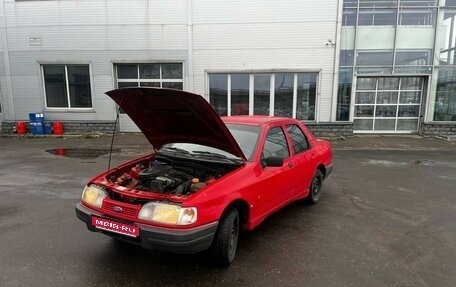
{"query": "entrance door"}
{"type": "Point", "coordinates": [388, 104]}
{"type": "Point", "coordinates": [161, 75]}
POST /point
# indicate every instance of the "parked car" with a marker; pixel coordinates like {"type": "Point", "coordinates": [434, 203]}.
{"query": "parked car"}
{"type": "Point", "coordinates": [206, 178]}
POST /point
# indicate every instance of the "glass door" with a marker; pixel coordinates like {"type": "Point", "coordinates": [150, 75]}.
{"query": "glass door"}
{"type": "Point", "coordinates": [388, 104]}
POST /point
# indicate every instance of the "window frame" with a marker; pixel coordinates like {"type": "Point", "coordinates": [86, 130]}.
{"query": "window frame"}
{"type": "Point", "coordinates": [138, 79]}
{"type": "Point", "coordinates": [67, 86]}
{"type": "Point", "coordinates": [292, 141]}
{"type": "Point", "coordinates": [272, 75]}
{"type": "Point", "coordinates": [285, 137]}
{"type": "Point", "coordinates": [373, 106]}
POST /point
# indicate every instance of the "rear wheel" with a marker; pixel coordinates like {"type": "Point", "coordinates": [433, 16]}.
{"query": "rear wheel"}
{"type": "Point", "coordinates": [226, 239]}
{"type": "Point", "coordinates": [315, 187]}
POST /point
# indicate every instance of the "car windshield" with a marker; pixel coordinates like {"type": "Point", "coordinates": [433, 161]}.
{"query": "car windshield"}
{"type": "Point", "coordinates": [197, 149]}
{"type": "Point", "coordinates": [246, 136]}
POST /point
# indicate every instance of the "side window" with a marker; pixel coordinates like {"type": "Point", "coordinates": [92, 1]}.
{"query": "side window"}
{"type": "Point", "coordinates": [275, 144]}
{"type": "Point", "coordinates": [298, 138]}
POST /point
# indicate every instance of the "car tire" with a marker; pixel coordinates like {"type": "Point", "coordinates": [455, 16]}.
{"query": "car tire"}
{"type": "Point", "coordinates": [225, 241]}
{"type": "Point", "coordinates": [316, 188]}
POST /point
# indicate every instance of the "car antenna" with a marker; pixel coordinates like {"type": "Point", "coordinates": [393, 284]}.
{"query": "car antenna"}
{"type": "Point", "coordinates": [113, 134]}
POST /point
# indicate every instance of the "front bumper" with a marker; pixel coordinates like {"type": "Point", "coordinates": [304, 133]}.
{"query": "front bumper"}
{"type": "Point", "coordinates": [184, 241]}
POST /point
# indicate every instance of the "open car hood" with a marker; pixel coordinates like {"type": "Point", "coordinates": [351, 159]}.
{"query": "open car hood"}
{"type": "Point", "coordinates": [174, 116]}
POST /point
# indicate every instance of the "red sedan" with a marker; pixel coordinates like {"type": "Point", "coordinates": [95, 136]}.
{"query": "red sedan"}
{"type": "Point", "coordinates": [206, 178]}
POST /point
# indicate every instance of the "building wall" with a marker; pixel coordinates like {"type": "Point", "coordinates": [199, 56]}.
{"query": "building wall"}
{"type": "Point", "coordinates": [406, 40]}
{"type": "Point", "coordinates": [98, 33]}
{"type": "Point", "coordinates": [256, 36]}
{"type": "Point", "coordinates": [205, 35]}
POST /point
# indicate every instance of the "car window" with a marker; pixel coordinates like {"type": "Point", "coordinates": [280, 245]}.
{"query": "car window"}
{"type": "Point", "coordinates": [275, 144]}
{"type": "Point", "coordinates": [298, 138]}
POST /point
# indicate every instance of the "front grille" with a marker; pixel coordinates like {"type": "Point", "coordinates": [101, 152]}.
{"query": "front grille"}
{"type": "Point", "coordinates": [126, 209]}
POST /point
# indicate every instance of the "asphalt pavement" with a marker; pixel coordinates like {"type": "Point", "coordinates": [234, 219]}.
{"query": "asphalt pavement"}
{"type": "Point", "coordinates": [387, 218]}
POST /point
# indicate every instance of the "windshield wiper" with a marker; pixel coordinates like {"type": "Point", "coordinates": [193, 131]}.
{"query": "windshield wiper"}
{"type": "Point", "coordinates": [175, 149]}
{"type": "Point", "coordinates": [208, 153]}
{"type": "Point", "coordinates": [216, 155]}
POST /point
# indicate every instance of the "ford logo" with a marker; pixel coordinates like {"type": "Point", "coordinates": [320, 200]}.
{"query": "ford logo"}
{"type": "Point", "coordinates": [117, 209]}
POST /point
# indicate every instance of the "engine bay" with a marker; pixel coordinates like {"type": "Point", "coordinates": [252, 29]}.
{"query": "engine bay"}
{"type": "Point", "coordinates": [164, 175]}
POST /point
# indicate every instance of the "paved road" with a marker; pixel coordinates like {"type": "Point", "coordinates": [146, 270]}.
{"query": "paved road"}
{"type": "Point", "coordinates": [387, 219]}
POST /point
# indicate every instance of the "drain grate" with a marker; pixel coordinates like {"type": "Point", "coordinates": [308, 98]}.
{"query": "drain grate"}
{"type": "Point", "coordinates": [424, 162]}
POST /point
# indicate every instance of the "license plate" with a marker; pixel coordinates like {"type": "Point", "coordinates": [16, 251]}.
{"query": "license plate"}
{"type": "Point", "coordinates": [117, 227]}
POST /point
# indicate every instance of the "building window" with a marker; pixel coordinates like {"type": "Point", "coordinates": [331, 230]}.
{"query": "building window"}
{"type": "Point", "coordinates": [417, 17]}
{"type": "Point", "coordinates": [349, 17]}
{"type": "Point", "coordinates": [418, 3]}
{"type": "Point", "coordinates": [240, 94]}
{"type": "Point", "coordinates": [306, 96]}
{"type": "Point", "coordinates": [374, 58]}
{"type": "Point", "coordinates": [346, 58]}
{"type": "Point", "coordinates": [161, 75]}
{"type": "Point", "coordinates": [449, 3]}
{"type": "Point", "coordinates": [446, 38]}
{"type": "Point", "coordinates": [377, 17]}
{"type": "Point", "coordinates": [261, 94]}
{"type": "Point", "coordinates": [67, 86]}
{"type": "Point", "coordinates": [218, 92]}
{"type": "Point", "coordinates": [445, 95]}
{"type": "Point", "coordinates": [377, 3]}
{"type": "Point", "coordinates": [277, 94]}
{"type": "Point", "coordinates": [283, 94]}
{"type": "Point", "coordinates": [414, 58]}
{"type": "Point", "coordinates": [344, 93]}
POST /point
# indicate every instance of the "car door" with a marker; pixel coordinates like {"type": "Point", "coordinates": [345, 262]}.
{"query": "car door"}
{"type": "Point", "coordinates": [275, 184]}
{"type": "Point", "coordinates": [302, 158]}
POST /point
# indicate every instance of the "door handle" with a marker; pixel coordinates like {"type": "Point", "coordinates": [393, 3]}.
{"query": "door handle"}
{"type": "Point", "coordinates": [290, 164]}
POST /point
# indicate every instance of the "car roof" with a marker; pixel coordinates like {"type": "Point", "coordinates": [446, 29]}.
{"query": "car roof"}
{"type": "Point", "coordinates": [253, 120]}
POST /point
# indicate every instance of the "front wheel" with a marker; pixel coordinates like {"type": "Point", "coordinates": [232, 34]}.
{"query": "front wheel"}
{"type": "Point", "coordinates": [315, 187]}
{"type": "Point", "coordinates": [226, 239]}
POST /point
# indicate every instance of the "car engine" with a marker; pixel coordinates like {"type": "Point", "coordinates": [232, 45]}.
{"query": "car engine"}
{"type": "Point", "coordinates": [176, 177]}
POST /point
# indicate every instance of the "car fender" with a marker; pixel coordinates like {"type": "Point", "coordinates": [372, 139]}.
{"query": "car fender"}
{"type": "Point", "coordinates": [214, 200]}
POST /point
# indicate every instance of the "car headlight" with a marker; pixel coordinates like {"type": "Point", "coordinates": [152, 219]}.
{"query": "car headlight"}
{"type": "Point", "coordinates": [93, 195]}
{"type": "Point", "coordinates": [168, 213]}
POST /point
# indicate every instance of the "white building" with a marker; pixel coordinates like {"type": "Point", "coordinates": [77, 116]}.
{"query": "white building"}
{"type": "Point", "coordinates": [245, 57]}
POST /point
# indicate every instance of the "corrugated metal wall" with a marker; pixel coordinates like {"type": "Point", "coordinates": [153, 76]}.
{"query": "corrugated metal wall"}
{"type": "Point", "coordinates": [231, 35]}
{"type": "Point", "coordinates": [265, 35]}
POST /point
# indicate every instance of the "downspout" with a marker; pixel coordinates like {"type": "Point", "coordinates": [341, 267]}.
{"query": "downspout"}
{"type": "Point", "coordinates": [190, 72]}
{"type": "Point", "coordinates": [336, 61]}
{"type": "Point", "coordinates": [12, 115]}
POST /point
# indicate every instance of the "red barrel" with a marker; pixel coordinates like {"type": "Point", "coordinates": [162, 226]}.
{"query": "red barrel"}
{"type": "Point", "coordinates": [60, 151]}
{"type": "Point", "coordinates": [21, 128]}
{"type": "Point", "coordinates": [58, 128]}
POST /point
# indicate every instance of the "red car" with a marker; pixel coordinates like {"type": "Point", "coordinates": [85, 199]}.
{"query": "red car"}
{"type": "Point", "coordinates": [207, 177]}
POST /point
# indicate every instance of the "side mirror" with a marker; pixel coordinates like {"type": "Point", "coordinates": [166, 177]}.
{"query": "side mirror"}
{"type": "Point", "coordinates": [272, 161]}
